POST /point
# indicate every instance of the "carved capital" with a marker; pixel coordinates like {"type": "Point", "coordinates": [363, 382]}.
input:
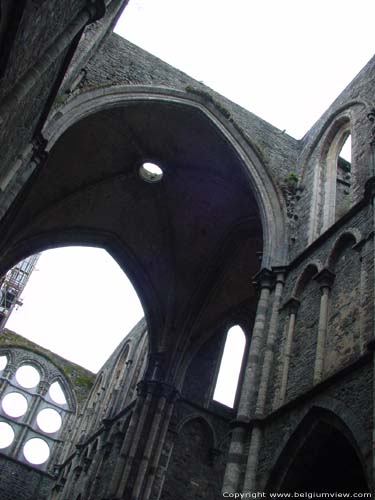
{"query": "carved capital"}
{"type": "Point", "coordinates": [292, 305]}
{"type": "Point", "coordinates": [325, 278]}
{"type": "Point", "coordinates": [264, 279]}
{"type": "Point", "coordinates": [157, 389]}
{"type": "Point", "coordinates": [279, 272]}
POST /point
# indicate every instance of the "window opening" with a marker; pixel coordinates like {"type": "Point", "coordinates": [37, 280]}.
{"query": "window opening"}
{"type": "Point", "coordinates": [49, 420]}
{"type": "Point", "coordinates": [230, 367]}
{"type": "Point", "coordinates": [14, 404]}
{"type": "Point", "coordinates": [36, 451]}
{"type": "Point", "coordinates": [343, 179]}
{"type": "Point", "coordinates": [56, 393]}
{"type": "Point", "coordinates": [6, 435]}
{"type": "Point", "coordinates": [3, 362]}
{"type": "Point", "coordinates": [28, 376]}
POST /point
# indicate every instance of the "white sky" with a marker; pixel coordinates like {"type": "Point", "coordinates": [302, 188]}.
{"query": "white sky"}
{"type": "Point", "coordinates": [284, 60]}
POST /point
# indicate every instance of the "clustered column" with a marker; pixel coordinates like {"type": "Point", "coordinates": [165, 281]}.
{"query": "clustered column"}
{"type": "Point", "coordinates": [144, 437]}
{"type": "Point", "coordinates": [265, 281]}
{"type": "Point", "coordinates": [256, 433]}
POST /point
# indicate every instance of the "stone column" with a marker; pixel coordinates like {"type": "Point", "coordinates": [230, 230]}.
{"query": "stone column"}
{"type": "Point", "coordinates": [144, 438]}
{"type": "Point", "coordinates": [292, 305]}
{"type": "Point", "coordinates": [325, 279]}
{"type": "Point", "coordinates": [256, 433]}
{"type": "Point", "coordinates": [159, 447]}
{"type": "Point", "coordinates": [272, 330]}
{"type": "Point", "coordinates": [370, 194]}
{"type": "Point", "coordinates": [264, 279]}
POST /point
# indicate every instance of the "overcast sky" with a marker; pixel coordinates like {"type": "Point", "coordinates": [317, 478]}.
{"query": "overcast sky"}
{"type": "Point", "coordinates": [284, 60]}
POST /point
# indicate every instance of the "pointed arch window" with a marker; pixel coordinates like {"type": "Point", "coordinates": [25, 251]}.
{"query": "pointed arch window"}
{"type": "Point", "coordinates": [230, 367]}
{"type": "Point", "coordinates": [337, 178]}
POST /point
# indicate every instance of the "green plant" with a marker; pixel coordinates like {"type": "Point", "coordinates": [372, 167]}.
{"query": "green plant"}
{"type": "Point", "coordinates": [291, 178]}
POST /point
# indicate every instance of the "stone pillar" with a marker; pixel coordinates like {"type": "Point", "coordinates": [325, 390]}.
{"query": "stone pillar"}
{"type": "Point", "coordinates": [249, 387]}
{"type": "Point", "coordinates": [292, 305]}
{"type": "Point", "coordinates": [144, 438]}
{"type": "Point", "coordinates": [253, 459]}
{"type": "Point", "coordinates": [159, 448]}
{"type": "Point", "coordinates": [370, 194]}
{"type": "Point", "coordinates": [232, 477]}
{"type": "Point", "coordinates": [256, 433]}
{"type": "Point", "coordinates": [325, 279]}
{"type": "Point", "coordinates": [268, 355]}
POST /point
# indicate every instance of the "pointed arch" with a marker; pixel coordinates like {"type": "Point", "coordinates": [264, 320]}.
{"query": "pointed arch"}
{"type": "Point", "coordinates": [269, 198]}
{"type": "Point", "coordinates": [320, 455]}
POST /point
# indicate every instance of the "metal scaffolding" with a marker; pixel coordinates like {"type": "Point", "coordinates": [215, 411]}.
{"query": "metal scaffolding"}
{"type": "Point", "coordinates": [12, 286]}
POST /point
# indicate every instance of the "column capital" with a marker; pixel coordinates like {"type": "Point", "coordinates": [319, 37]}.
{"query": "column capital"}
{"type": "Point", "coordinates": [325, 278]}
{"type": "Point", "coordinates": [157, 389]}
{"type": "Point", "coordinates": [239, 423]}
{"type": "Point", "coordinates": [291, 305]}
{"type": "Point", "coordinates": [280, 274]}
{"type": "Point", "coordinates": [265, 278]}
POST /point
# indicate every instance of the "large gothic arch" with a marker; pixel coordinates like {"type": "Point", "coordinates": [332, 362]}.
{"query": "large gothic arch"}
{"type": "Point", "coordinates": [165, 236]}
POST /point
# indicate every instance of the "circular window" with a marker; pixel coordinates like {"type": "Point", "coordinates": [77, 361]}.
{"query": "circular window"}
{"type": "Point", "coordinates": [27, 376]}
{"type": "Point", "coordinates": [57, 394]}
{"type": "Point", "coordinates": [150, 172]}
{"type": "Point", "coordinates": [14, 404]}
{"type": "Point", "coordinates": [3, 362]}
{"type": "Point", "coordinates": [36, 451]}
{"type": "Point", "coordinates": [49, 420]}
{"type": "Point", "coordinates": [6, 435]}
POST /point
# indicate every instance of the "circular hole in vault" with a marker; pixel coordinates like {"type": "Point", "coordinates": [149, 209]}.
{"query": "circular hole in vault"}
{"type": "Point", "coordinates": [150, 172]}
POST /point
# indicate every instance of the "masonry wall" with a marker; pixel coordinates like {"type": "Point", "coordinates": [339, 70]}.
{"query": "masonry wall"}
{"type": "Point", "coordinates": [18, 478]}
{"type": "Point", "coordinates": [354, 102]}
{"type": "Point", "coordinates": [18, 481]}
{"type": "Point", "coordinates": [119, 62]}
{"type": "Point", "coordinates": [348, 332]}
{"type": "Point", "coordinates": [348, 397]}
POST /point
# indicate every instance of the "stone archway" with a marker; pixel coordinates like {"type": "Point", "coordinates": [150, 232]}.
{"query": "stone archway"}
{"type": "Point", "coordinates": [321, 456]}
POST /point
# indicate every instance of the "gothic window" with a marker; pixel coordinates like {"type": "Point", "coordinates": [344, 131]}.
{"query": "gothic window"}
{"type": "Point", "coordinates": [343, 178]}
{"type": "Point", "coordinates": [337, 173]}
{"type": "Point", "coordinates": [33, 408]}
{"type": "Point", "coordinates": [230, 367]}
